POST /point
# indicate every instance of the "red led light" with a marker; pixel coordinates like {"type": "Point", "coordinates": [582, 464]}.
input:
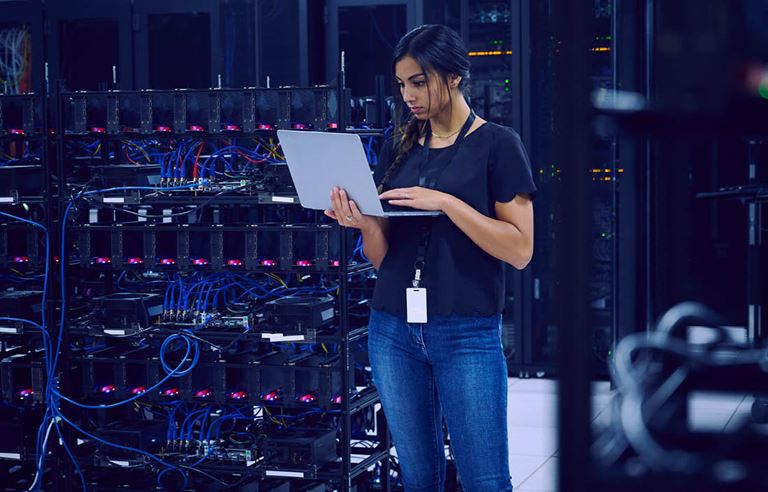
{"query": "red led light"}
{"type": "Point", "coordinates": [308, 398]}
{"type": "Point", "coordinates": [164, 129]}
{"type": "Point", "coordinates": [196, 128]}
{"type": "Point", "coordinates": [299, 126]}
{"type": "Point", "coordinates": [26, 393]}
{"type": "Point", "coordinates": [171, 392]}
{"type": "Point", "coordinates": [102, 260]}
{"type": "Point", "coordinates": [304, 263]}
{"type": "Point", "coordinates": [138, 390]}
{"type": "Point", "coordinates": [98, 129]}
{"type": "Point", "coordinates": [110, 388]}
{"type": "Point", "coordinates": [16, 131]}
{"type": "Point", "coordinates": [264, 126]}
{"type": "Point", "coordinates": [273, 395]}
{"type": "Point", "coordinates": [167, 261]}
{"type": "Point", "coordinates": [333, 125]}
{"type": "Point", "coordinates": [235, 262]}
{"type": "Point", "coordinates": [21, 259]}
{"type": "Point", "coordinates": [200, 261]}
{"type": "Point", "coordinates": [56, 259]}
{"type": "Point", "coordinates": [135, 261]}
{"type": "Point", "coordinates": [232, 128]}
{"type": "Point", "coordinates": [336, 400]}
{"type": "Point", "coordinates": [238, 395]}
{"type": "Point", "coordinates": [268, 263]}
{"type": "Point", "coordinates": [334, 263]}
{"type": "Point", "coordinates": [204, 393]}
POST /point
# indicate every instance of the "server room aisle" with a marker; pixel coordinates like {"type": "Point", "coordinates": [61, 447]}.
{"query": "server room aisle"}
{"type": "Point", "coordinates": [532, 418]}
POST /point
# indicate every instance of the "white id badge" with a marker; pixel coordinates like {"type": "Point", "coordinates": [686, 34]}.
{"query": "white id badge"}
{"type": "Point", "coordinates": [416, 305]}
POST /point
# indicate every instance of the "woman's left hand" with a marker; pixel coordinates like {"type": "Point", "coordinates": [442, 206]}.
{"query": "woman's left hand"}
{"type": "Point", "coordinates": [417, 197]}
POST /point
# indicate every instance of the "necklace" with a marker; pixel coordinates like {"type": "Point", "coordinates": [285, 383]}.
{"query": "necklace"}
{"type": "Point", "coordinates": [445, 136]}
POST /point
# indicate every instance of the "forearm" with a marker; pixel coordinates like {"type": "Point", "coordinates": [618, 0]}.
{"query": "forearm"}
{"type": "Point", "coordinates": [499, 239]}
{"type": "Point", "coordinates": [375, 244]}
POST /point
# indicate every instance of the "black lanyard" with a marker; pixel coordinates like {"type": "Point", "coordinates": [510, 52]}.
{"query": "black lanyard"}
{"type": "Point", "coordinates": [426, 229]}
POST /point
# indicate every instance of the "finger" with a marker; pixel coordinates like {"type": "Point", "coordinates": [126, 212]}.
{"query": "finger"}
{"type": "Point", "coordinates": [394, 193]}
{"type": "Point", "coordinates": [355, 211]}
{"type": "Point", "coordinates": [402, 203]}
{"type": "Point", "coordinates": [336, 203]}
{"type": "Point", "coordinates": [345, 210]}
{"type": "Point", "coordinates": [400, 194]}
{"type": "Point", "coordinates": [330, 213]}
{"type": "Point", "coordinates": [334, 212]}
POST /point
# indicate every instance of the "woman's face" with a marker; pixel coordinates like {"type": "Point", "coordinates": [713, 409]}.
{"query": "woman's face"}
{"type": "Point", "coordinates": [425, 98]}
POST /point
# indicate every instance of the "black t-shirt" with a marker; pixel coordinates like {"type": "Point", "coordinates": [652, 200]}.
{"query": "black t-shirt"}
{"type": "Point", "coordinates": [490, 166]}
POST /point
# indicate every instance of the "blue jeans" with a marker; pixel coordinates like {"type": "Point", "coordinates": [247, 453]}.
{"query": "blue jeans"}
{"type": "Point", "coordinates": [453, 366]}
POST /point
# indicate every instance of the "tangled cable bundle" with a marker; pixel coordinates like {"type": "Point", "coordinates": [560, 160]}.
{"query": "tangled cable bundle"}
{"type": "Point", "coordinates": [15, 61]}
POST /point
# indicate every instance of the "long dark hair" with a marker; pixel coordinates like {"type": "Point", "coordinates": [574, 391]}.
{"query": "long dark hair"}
{"type": "Point", "coordinates": [437, 49]}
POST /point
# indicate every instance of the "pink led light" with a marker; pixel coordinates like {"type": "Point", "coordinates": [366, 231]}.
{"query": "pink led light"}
{"type": "Point", "coordinates": [204, 393]}
{"type": "Point", "coordinates": [109, 388]}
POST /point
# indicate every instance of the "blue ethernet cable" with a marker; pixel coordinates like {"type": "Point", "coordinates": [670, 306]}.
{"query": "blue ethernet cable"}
{"type": "Point", "coordinates": [170, 373]}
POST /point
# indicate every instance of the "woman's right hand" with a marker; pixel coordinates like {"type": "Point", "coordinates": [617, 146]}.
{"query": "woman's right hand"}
{"type": "Point", "coordinates": [346, 213]}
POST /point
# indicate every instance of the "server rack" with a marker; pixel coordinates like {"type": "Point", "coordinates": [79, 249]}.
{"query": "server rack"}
{"type": "Point", "coordinates": [96, 245]}
{"type": "Point", "coordinates": [26, 233]}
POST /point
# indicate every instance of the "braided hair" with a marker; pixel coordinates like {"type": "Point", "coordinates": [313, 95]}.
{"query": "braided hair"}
{"type": "Point", "coordinates": [437, 49]}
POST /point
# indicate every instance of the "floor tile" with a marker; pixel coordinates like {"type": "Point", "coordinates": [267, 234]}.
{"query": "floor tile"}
{"type": "Point", "coordinates": [708, 419]}
{"type": "Point", "coordinates": [715, 400]}
{"type": "Point", "coordinates": [532, 441]}
{"type": "Point", "coordinates": [739, 419]}
{"type": "Point", "coordinates": [601, 387]}
{"type": "Point", "coordinates": [521, 467]}
{"type": "Point", "coordinates": [602, 419]}
{"type": "Point", "coordinates": [601, 401]}
{"type": "Point", "coordinates": [532, 409]}
{"type": "Point", "coordinates": [536, 385]}
{"type": "Point", "coordinates": [542, 479]}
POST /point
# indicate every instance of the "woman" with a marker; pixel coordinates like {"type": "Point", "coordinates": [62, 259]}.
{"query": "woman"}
{"type": "Point", "coordinates": [448, 360]}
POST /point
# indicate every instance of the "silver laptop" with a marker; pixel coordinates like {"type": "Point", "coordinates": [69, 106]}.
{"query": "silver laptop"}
{"type": "Point", "coordinates": [318, 161]}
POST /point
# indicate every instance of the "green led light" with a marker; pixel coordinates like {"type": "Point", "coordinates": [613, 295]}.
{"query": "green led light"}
{"type": "Point", "coordinates": [506, 81]}
{"type": "Point", "coordinates": [762, 89]}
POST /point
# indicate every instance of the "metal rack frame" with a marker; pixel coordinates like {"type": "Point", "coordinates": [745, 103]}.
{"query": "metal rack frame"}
{"type": "Point", "coordinates": [345, 471]}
